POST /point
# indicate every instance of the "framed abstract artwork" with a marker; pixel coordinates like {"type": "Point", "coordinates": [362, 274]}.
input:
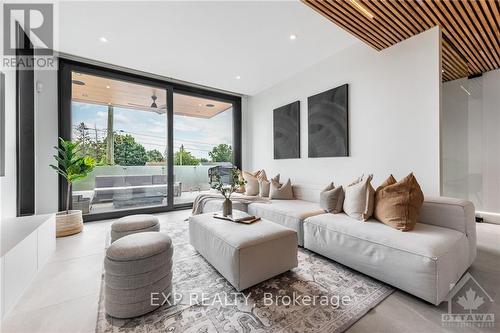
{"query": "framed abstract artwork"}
{"type": "Point", "coordinates": [286, 131]}
{"type": "Point", "coordinates": [328, 123]}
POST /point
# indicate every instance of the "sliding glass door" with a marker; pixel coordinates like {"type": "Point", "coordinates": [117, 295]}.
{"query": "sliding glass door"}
{"type": "Point", "coordinates": [123, 127]}
{"type": "Point", "coordinates": [155, 142]}
{"type": "Point", "coordinates": [203, 142]}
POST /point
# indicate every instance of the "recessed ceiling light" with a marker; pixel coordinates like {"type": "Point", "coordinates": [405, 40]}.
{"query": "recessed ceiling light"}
{"type": "Point", "coordinates": [293, 37]}
{"type": "Point", "coordinates": [238, 77]}
{"type": "Point", "coordinates": [103, 39]}
{"type": "Point", "coordinates": [210, 105]}
{"type": "Point", "coordinates": [78, 82]}
{"type": "Point", "coordinates": [200, 104]}
{"type": "Point", "coordinates": [107, 87]}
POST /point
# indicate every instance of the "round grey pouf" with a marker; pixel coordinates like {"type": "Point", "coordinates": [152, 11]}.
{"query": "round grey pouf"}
{"type": "Point", "coordinates": [137, 267]}
{"type": "Point", "coordinates": [132, 224]}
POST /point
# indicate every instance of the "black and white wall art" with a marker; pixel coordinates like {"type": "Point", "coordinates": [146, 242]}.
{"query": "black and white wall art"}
{"type": "Point", "coordinates": [286, 128]}
{"type": "Point", "coordinates": [328, 123]}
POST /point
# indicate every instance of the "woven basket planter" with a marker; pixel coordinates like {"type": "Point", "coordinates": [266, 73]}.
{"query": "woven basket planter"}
{"type": "Point", "coordinates": [69, 224]}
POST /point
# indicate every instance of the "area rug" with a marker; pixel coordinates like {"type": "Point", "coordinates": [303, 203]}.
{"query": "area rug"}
{"type": "Point", "coordinates": [270, 306]}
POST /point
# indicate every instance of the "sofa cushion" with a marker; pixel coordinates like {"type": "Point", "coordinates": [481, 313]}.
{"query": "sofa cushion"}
{"type": "Point", "coordinates": [138, 180]}
{"type": "Point", "coordinates": [397, 204]}
{"type": "Point", "coordinates": [159, 179]}
{"type": "Point", "coordinates": [423, 262]}
{"type": "Point", "coordinates": [289, 213]}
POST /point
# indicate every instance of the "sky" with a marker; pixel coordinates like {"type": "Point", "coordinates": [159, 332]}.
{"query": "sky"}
{"type": "Point", "coordinates": [197, 135]}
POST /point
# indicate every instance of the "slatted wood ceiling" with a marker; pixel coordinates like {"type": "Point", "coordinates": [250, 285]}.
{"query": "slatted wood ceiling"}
{"type": "Point", "coordinates": [470, 28]}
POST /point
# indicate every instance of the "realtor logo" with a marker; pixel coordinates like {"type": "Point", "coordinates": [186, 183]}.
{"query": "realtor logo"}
{"type": "Point", "coordinates": [37, 22]}
{"type": "Point", "coordinates": [468, 305]}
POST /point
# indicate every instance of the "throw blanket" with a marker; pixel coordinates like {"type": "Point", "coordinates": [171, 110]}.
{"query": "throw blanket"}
{"type": "Point", "coordinates": [202, 199]}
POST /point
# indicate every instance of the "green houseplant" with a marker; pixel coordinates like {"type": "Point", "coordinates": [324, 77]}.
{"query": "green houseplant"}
{"type": "Point", "coordinates": [226, 190]}
{"type": "Point", "coordinates": [71, 165]}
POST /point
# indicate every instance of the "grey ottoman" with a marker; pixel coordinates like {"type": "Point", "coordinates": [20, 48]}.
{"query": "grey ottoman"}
{"type": "Point", "coordinates": [135, 267]}
{"type": "Point", "coordinates": [132, 224]}
{"type": "Point", "coordinates": [245, 254]}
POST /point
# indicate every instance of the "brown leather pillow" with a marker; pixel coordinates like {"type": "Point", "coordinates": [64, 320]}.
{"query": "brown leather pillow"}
{"type": "Point", "coordinates": [398, 204]}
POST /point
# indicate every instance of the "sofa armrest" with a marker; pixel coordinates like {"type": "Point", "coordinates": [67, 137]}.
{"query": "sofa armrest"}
{"type": "Point", "coordinates": [454, 214]}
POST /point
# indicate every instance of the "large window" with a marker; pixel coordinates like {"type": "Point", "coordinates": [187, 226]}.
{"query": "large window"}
{"type": "Point", "coordinates": [123, 126]}
{"type": "Point", "coordinates": [203, 139]}
{"type": "Point", "coordinates": [154, 142]}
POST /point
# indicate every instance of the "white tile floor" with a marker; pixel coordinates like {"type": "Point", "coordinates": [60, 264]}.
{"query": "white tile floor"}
{"type": "Point", "coordinates": [64, 295]}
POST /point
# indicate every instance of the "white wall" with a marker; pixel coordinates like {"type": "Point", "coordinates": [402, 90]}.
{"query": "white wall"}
{"type": "Point", "coordinates": [46, 133]}
{"type": "Point", "coordinates": [8, 183]}
{"type": "Point", "coordinates": [394, 105]}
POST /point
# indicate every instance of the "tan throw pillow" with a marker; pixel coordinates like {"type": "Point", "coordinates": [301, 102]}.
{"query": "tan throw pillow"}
{"type": "Point", "coordinates": [265, 185]}
{"type": "Point", "coordinates": [252, 185]}
{"type": "Point", "coordinates": [331, 199]}
{"type": "Point", "coordinates": [281, 191]}
{"type": "Point", "coordinates": [359, 199]}
{"type": "Point", "coordinates": [398, 204]}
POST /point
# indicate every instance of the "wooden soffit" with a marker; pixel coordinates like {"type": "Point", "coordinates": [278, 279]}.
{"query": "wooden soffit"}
{"type": "Point", "coordinates": [470, 28]}
{"type": "Point", "coordinates": [93, 89]}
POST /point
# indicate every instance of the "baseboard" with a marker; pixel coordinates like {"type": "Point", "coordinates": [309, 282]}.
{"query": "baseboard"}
{"type": "Point", "coordinates": [489, 217]}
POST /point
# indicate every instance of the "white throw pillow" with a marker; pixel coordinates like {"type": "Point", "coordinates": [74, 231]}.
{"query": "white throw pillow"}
{"type": "Point", "coordinates": [359, 199]}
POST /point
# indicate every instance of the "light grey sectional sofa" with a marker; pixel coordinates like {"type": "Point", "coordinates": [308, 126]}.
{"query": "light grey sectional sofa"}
{"type": "Point", "coordinates": [424, 262]}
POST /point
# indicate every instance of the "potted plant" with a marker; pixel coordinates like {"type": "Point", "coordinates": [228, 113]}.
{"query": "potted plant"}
{"type": "Point", "coordinates": [227, 189]}
{"type": "Point", "coordinates": [71, 166]}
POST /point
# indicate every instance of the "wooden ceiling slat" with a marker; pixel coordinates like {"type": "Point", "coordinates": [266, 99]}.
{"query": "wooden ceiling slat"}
{"type": "Point", "coordinates": [423, 15]}
{"type": "Point", "coordinates": [382, 30]}
{"type": "Point", "coordinates": [447, 55]}
{"type": "Point", "coordinates": [355, 30]}
{"type": "Point", "coordinates": [454, 37]}
{"type": "Point", "coordinates": [451, 61]}
{"type": "Point", "coordinates": [470, 28]}
{"type": "Point", "coordinates": [459, 63]}
{"type": "Point", "coordinates": [319, 7]}
{"type": "Point", "coordinates": [380, 15]}
{"type": "Point", "coordinates": [478, 28]}
{"type": "Point", "coordinates": [463, 30]}
{"type": "Point", "coordinates": [361, 21]}
{"type": "Point", "coordinates": [450, 32]}
{"type": "Point", "coordinates": [492, 28]}
{"type": "Point", "coordinates": [403, 8]}
{"type": "Point", "coordinates": [394, 14]}
{"type": "Point", "coordinates": [450, 67]}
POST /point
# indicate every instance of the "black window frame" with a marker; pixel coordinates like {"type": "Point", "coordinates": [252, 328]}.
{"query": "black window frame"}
{"type": "Point", "coordinates": [67, 66]}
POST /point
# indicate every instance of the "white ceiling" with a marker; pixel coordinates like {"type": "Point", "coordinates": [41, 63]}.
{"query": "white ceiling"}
{"type": "Point", "coordinates": [208, 43]}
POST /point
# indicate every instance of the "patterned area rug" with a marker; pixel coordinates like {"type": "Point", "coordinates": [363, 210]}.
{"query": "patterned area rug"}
{"type": "Point", "coordinates": [251, 310]}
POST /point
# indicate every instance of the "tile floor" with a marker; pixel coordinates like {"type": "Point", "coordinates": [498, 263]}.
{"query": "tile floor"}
{"type": "Point", "coordinates": [63, 296]}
